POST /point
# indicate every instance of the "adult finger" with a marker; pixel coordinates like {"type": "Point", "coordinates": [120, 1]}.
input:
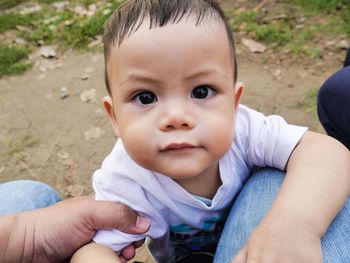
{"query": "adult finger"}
{"type": "Point", "coordinates": [113, 215]}
{"type": "Point", "coordinates": [241, 257]}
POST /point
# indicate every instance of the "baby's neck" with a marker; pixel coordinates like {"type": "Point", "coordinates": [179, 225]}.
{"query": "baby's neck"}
{"type": "Point", "coordinates": [206, 184]}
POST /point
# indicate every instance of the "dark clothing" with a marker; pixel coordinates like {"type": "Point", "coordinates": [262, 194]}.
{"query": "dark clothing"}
{"type": "Point", "coordinates": [347, 59]}
{"type": "Point", "coordinates": [334, 104]}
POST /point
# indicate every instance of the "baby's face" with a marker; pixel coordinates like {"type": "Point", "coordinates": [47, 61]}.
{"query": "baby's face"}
{"type": "Point", "coordinates": [173, 96]}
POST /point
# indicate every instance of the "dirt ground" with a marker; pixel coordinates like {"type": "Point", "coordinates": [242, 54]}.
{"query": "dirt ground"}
{"type": "Point", "coordinates": [50, 132]}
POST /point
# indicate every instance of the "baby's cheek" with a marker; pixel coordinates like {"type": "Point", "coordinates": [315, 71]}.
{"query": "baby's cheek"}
{"type": "Point", "coordinates": [135, 150]}
{"type": "Point", "coordinates": [222, 138]}
{"type": "Point", "coordinates": [138, 145]}
{"type": "Point", "coordinates": [223, 142]}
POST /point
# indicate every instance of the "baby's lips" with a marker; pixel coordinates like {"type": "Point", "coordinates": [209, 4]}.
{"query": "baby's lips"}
{"type": "Point", "coordinates": [178, 146]}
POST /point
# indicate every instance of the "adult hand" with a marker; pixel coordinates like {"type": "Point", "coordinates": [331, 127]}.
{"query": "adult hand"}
{"type": "Point", "coordinates": [54, 233]}
{"type": "Point", "coordinates": [278, 239]}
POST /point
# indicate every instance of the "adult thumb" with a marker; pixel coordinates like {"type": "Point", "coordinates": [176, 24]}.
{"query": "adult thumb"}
{"type": "Point", "coordinates": [113, 215]}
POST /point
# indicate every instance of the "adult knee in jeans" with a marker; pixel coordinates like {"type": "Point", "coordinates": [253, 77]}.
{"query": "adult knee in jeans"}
{"type": "Point", "coordinates": [347, 58]}
{"type": "Point", "coordinates": [333, 106]}
{"type": "Point", "coordinates": [26, 195]}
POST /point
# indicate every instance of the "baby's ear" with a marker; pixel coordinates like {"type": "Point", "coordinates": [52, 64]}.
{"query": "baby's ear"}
{"type": "Point", "coordinates": [239, 87]}
{"type": "Point", "coordinates": [108, 105]}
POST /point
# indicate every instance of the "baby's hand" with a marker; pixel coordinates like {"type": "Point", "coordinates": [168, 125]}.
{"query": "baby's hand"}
{"type": "Point", "coordinates": [129, 252]}
{"type": "Point", "coordinates": [94, 252]}
{"type": "Point", "coordinates": [276, 240]}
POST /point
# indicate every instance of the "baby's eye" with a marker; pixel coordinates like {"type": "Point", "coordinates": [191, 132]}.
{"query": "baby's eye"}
{"type": "Point", "coordinates": [202, 92]}
{"type": "Point", "coordinates": [145, 97]}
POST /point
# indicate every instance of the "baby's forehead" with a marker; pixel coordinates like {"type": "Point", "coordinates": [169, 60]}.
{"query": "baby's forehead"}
{"type": "Point", "coordinates": [184, 37]}
{"type": "Point", "coordinates": [175, 47]}
{"type": "Point", "coordinates": [188, 23]}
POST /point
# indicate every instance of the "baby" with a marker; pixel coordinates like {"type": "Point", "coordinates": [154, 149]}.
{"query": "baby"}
{"type": "Point", "coordinates": [186, 146]}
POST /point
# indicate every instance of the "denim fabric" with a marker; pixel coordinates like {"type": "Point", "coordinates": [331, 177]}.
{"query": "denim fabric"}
{"type": "Point", "coordinates": [254, 201]}
{"type": "Point", "coordinates": [19, 196]}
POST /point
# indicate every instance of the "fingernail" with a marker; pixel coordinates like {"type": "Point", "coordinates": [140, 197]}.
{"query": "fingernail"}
{"type": "Point", "coordinates": [142, 223]}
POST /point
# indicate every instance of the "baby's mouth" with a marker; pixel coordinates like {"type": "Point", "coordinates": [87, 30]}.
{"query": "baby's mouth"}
{"type": "Point", "coordinates": [178, 147]}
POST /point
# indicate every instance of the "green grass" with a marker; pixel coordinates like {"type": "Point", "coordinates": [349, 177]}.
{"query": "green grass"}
{"type": "Point", "coordinates": [246, 17]}
{"type": "Point", "coordinates": [319, 5]}
{"type": "Point", "coordinates": [310, 102]}
{"type": "Point", "coordinates": [11, 59]}
{"type": "Point", "coordinates": [78, 35]}
{"type": "Point", "coordinates": [300, 43]}
{"type": "Point", "coordinates": [337, 8]}
{"type": "Point", "coordinates": [42, 31]}
{"type": "Point", "coordinates": [279, 34]}
{"type": "Point", "coordinates": [48, 1]}
{"type": "Point", "coordinates": [11, 20]}
{"type": "Point", "coordinates": [87, 2]}
{"type": "Point", "coordinates": [282, 32]}
{"type": "Point", "coordinates": [5, 4]}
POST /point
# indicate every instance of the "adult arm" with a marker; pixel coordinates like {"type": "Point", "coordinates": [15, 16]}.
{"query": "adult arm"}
{"type": "Point", "coordinates": [53, 234]}
{"type": "Point", "coordinates": [316, 187]}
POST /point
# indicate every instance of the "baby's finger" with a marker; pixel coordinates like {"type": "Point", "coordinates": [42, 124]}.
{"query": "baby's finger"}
{"type": "Point", "coordinates": [128, 252]}
{"type": "Point", "coordinates": [241, 257]}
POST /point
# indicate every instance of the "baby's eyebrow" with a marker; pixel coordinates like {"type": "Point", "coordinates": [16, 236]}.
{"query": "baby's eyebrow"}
{"type": "Point", "coordinates": [141, 78]}
{"type": "Point", "coordinates": [204, 73]}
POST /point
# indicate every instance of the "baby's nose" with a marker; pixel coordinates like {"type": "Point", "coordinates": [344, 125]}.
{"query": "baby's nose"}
{"type": "Point", "coordinates": [176, 118]}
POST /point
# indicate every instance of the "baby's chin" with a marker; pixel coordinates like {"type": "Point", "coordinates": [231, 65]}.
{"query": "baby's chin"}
{"type": "Point", "coordinates": [181, 173]}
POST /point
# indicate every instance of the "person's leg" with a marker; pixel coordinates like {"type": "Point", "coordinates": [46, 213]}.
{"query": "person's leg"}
{"type": "Point", "coordinates": [251, 206]}
{"type": "Point", "coordinates": [336, 241]}
{"type": "Point", "coordinates": [333, 106]}
{"type": "Point", "coordinates": [347, 58]}
{"type": "Point", "coordinates": [19, 196]}
{"type": "Point", "coordinates": [254, 200]}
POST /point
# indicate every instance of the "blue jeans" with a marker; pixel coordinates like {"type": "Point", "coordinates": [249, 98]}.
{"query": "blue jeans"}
{"type": "Point", "coordinates": [19, 196]}
{"type": "Point", "coordinates": [255, 200]}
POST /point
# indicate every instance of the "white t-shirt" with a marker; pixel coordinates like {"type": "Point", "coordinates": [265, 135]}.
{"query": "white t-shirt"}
{"type": "Point", "coordinates": [180, 220]}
